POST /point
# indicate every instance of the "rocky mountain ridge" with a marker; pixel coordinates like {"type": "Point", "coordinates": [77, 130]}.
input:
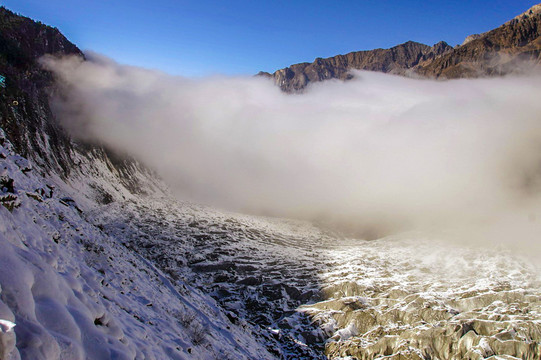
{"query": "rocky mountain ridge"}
{"type": "Point", "coordinates": [396, 60]}
{"type": "Point", "coordinates": [501, 51]}
{"type": "Point", "coordinates": [510, 48]}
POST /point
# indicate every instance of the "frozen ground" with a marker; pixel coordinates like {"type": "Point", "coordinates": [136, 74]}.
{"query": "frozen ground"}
{"type": "Point", "coordinates": [425, 299]}
{"type": "Point", "coordinates": [76, 293]}
{"type": "Point", "coordinates": [90, 271]}
{"type": "Point", "coordinates": [408, 295]}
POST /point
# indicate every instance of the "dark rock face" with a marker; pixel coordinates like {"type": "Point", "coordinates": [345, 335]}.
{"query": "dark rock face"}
{"type": "Point", "coordinates": [395, 60]}
{"type": "Point", "coordinates": [25, 114]}
{"type": "Point", "coordinates": [25, 111]}
{"type": "Point", "coordinates": [498, 52]}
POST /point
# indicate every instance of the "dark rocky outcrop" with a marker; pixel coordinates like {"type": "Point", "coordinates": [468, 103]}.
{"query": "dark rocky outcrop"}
{"type": "Point", "coordinates": [25, 110]}
{"type": "Point", "coordinates": [25, 114]}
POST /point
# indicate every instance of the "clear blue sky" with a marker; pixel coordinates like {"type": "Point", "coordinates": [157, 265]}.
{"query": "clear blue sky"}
{"type": "Point", "coordinates": [193, 38]}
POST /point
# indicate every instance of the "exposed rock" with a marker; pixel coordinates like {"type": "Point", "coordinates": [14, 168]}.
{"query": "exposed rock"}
{"type": "Point", "coordinates": [28, 125]}
{"type": "Point", "coordinates": [512, 47]}
{"type": "Point", "coordinates": [395, 60]}
{"type": "Point", "coordinates": [501, 51]}
{"type": "Point", "coordinates": [7, 339]}
{"type": "Point", "coordinates": [31, 126]}
{"type": "Point", "coordinates": [534, 10]}
{"type": "Point", "coordinates": [471, 37]}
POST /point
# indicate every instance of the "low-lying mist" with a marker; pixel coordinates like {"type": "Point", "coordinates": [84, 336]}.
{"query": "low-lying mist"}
{"type": "Point", "coordinates": [374, 155]}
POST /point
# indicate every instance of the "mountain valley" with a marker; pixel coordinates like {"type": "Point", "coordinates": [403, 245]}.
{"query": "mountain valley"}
{"type": "Point", "coordinates": [100, 260]}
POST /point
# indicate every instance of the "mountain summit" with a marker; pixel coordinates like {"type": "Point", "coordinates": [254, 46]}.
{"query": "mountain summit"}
{"type": "Point", "coordinates": [396, 60]}
{"type": "Point", "coordinates": [496, 52]}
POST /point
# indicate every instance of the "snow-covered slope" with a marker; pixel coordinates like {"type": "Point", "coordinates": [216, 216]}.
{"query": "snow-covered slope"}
{"type": "Point", "coordinates": [148, 277]}
{"type": "Point", "coordinates": [76, 293]}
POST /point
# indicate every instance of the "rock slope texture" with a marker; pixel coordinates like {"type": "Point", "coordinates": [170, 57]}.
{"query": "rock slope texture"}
{"type": "Point", "coordinates": [506, 49]}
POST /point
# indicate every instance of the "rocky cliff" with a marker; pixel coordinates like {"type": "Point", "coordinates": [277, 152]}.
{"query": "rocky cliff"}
{"type": "Point", "coordinates": [25, 108]}
{"type": "Point", "coordinates": [396, 60]}
{"type": "Point", "coordinates": [24, 103]}
{"type": "Point", "coordinates": [498, 52]}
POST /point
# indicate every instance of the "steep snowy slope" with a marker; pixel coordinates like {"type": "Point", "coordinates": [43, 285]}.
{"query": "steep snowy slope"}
{"type": "Point", "coordinates": [76, 293]}
{"type": "Point", "coordinates": [73, 290]}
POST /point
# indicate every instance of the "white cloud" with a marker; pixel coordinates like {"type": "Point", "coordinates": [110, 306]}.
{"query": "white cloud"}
{"type": "Point", "coordinates": [378, 153]}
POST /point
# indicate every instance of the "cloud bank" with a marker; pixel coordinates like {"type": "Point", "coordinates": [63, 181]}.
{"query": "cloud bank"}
{"type": "Point", "coordinates": [377, 154]}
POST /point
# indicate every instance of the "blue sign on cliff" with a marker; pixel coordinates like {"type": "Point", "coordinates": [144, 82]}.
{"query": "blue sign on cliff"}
{"type": "Point", "coordinates": [2, 81]}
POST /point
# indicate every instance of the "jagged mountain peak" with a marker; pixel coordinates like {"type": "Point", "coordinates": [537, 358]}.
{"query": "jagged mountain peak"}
{"type": "Point", "coordinates": [471, 37]}
{"type": "Point", "coordinates": [441, 47]}
{"type": "Point", "coordinates": [492, 53]}
{"type": "Point", "coordinates": [495, 52]}
{"type": "Point", "coordinates": [396, 60]}
{"type": "Point", "coordinates": [534, 10]}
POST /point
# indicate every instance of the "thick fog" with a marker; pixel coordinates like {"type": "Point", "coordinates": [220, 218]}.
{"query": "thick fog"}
{"type": "Point", "coordinates": [373, 155]}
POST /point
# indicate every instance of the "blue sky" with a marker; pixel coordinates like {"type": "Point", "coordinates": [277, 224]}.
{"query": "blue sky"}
{"type": "Point", "coordinates": [195, 38]}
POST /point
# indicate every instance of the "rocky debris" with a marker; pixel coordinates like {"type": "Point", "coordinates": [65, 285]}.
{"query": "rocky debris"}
{"type": "Point", "coordinates": [258, 270]}
{"type": "Point", "coordinates": [9, 201]}
{"type": "Point", "coordinates": [8, 193]}
{"type": "Point", "coordinates": [6, 184]}
{"type": "Point", "coordinates": [68, 201]}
